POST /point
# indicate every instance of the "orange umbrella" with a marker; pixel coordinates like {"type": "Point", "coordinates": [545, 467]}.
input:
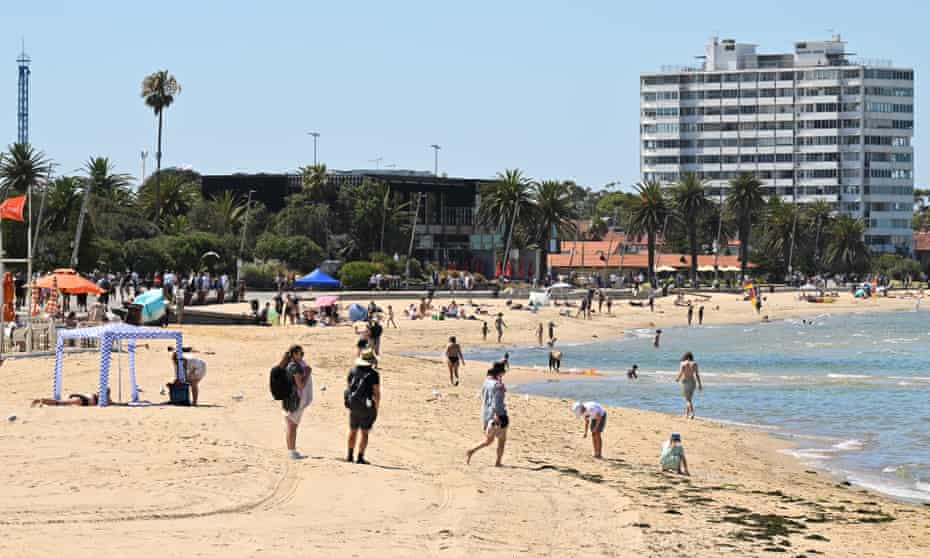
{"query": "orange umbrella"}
{"type": "Point", "coordinates": [68, 281]}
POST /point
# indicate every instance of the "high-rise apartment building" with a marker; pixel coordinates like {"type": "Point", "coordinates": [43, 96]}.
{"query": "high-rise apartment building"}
{"type": "Point", "coordinates": [811, 124]}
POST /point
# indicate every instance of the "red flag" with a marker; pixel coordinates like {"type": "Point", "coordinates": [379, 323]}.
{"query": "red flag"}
{"type": "Point", "coordinates": [12, 208]}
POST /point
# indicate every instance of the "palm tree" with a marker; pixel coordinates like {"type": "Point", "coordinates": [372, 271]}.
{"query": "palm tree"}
{"type": "Point", "coordinates": [847, 250]}
{"type": "Point", "coordinates": [744, 199]}
{"type": "Point", "coordinates": [649, 214]}
{"type": "Point", "coordinates": [22, 167]}
{"type": "Point", "coordinates": [780, 228]}
{"type": "Point", "coordinates": [502, 201]}
{"type": "Point", "coordinates": [691, 203]}
{"type": "Point", "coordinates": [819, 213]}
{"type": "Point", "coordinates": [176, 195]}
{"type": "Point", "coordinates": [554, 212]}
{"type": "Point", "coordinates": [226, 211]}
{"type": "Point", "coordinates": [159, 90]}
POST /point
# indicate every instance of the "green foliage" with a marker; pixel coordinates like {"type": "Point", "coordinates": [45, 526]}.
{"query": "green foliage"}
{"type": "Point", "coordinates": [179, 192]}
{"type": "Point", "coordinates": [180, 252]}
{"type": "Point", "coordinates": [21, 167]}
{"type": "Point", "coordinates": [261, 275]}
{"type": "Point", "coordinates": [649, 216]}
{"type": "Point", "coordinates": [355, 275]}
{"type": "Point", "coordinates": [744, 200]}
{"type": "Point", "coordinates": [299, 253]}
{"type": "Point", "coordinates": [896, 266]}
{"type": "Point", "coordinates": [847, 251]}
{"type": "Point", "coordinates": [159, 90]}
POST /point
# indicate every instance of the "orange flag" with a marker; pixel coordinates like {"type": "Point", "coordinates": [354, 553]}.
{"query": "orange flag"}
{"type": "Point", "coordinates": [12, 208]}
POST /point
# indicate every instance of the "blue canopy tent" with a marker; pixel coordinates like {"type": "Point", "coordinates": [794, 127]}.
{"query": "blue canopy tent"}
{"type": "Point", "coordinates": [107, 335]}
{"type": "Point", "coordinates": [317, 278]}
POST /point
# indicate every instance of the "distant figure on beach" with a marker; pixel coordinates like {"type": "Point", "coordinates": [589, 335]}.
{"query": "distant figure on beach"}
{"type": "Point", "coordinates": [390, 317]}
{"type": "Point", "coordinates": [672, 457]}
{"type": "Point", "coordinates": [193, 371]}
{"type": "Point", "coordinates": [484, 330]}
{"type": "Point", "coordinates": [917, 304]}
{"type": "Point", "coordinates": [652, 302]}
{"type": "Point", "coordinates": [690, 314]}
{"type": "Point", "coordinates": [552, 331]}
{"type": "Point", "coordinates": [701, 315]}
{"type": "Point", "coordinates": [555, 357]}
{"type": "Point", "coordinates": [454, 359]}
{"type": "Point", "coordinates": [758, 305]}
{"type": "Point", "coordinates": [301, 397]}
{"type": "Point", "coordinates": [633, 373]}
{"type": "Point", "coordinates": [362, 399]}
{"type": "Point", "coordinates": [657, 338]}
{"type": "Point", "coordinates": [539, 333]}
{"type": "Point", "coordinates": [73, 400]}
{"type": "Point", "coordinates": [610, 304]}
{"type": "Point", "coordinates": [499, 325]}
{"type": "Point", "coordinates": [494, 419]}
{"type": "Point", "coordinates": [375, 331]}
{"type": "Point", "coordinates": [690, 378]}
{"type": "Point", "coordinates": [595, 419]}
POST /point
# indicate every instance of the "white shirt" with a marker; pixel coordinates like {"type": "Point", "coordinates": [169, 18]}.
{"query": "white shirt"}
{"type": "Point", "coordinates": [593, 411]}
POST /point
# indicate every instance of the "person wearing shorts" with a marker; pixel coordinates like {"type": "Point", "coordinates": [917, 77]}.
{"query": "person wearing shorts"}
{"type": "Point", "coordinates": [494, 418]}
{"type": "Point", "coordinates": [194, 371]}
{"type": "Point", "coordinates": [595, 419]}
{"type": "Point", "coordinates": [367, 381]}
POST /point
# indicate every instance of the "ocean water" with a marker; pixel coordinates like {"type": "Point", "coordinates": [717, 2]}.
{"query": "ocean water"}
{"type": "Point", "coordinates": [852, 391]}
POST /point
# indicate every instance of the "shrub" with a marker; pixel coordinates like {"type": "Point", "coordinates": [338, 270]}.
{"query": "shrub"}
{"type": "Point", "coordinates": [298, 252]}
{"type": "Point", "coordinates": [261, 275]}
{"type": "Point", "coordinates": [355, 275]}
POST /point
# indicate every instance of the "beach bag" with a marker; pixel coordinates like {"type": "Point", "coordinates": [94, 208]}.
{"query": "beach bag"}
{"type": "Point", "coordinates": [356, 395]}
{"type": "Point", "coordinates": [281, 383]}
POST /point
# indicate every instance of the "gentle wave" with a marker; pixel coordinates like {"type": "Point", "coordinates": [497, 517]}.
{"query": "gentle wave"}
{"type": "Point", "coordinates": [918, 492]}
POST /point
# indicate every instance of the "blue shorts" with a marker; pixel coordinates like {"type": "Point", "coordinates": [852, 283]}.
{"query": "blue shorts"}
{"type": "Point", "coordinates": [600, 428]}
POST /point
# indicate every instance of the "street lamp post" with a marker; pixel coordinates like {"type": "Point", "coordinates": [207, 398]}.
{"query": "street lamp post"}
{"type": "Point", "coordinates": [245, 226]}
{"type": "Point", "coordinates": [436, 147]}
{"type": "Point", "coordinates": [316, 136]}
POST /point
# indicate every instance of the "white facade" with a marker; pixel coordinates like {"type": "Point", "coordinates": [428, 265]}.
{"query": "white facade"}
{"type": "Point", "coordinates": [809, 124]}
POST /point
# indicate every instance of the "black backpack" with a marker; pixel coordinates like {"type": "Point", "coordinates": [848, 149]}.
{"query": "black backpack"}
{"type": "Point", "coordinates": [357, 394]}
{"type": "Point", "coordinates": [281, 383]}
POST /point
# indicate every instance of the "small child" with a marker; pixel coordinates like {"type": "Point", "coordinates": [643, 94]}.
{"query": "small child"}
{"type": "Point", "coordinates": [673, 456]}
{"type": "Point", "coordinates": [595, 419]}
{"type": "Point", "coordinates": [633, 373]}
{"type": "Point", "coordinates": [656, 339]}
{"type": "Point", "coordinates": [484, 331]}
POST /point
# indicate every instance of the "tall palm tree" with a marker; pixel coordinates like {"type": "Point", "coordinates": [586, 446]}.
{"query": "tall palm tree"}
{"type": "Point", "coordinates": [691, 203]}
{"type": "Point", "coordinates": [502, 202]}
{"type": "Point", "coordinates": [819, 213]}
{"type": "Point", "coordinates": [744, 200]}
{"type": "Point", "coordinates": [554, 212]}
{"type": "Point", "coordinates": [649, 214]}
{"type": "Point", "coordinates": [159, 90]}
{"type": "Point", "coordinates": [780, 228]}
{"type": "Point", "coordinates": [847, 250]}
{"type": "Point", "coordinates": [21, 168]}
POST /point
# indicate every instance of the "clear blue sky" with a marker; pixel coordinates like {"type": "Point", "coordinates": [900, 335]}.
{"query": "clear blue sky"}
{"type": "Point", "coordinates": [549, 87]}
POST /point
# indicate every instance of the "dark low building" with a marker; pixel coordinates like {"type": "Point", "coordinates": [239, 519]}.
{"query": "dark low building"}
{"type": "Point", "coordinates": [270, 189]}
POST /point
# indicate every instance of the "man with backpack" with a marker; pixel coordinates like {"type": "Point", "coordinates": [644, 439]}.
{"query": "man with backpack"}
{"type": "Point", "coordinates": [362, 399]}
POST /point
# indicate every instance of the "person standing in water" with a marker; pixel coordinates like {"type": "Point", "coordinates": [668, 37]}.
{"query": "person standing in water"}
{"type": "Point", "coordinates": [701, 315]}
{"type": "Point", "coordinates": [655, 340]}
{"type": "Point", "coordinates": [539, 334]}
{"type": "Point", "coordinates": [690, 314]}
{"type": "Point", "coordinates": [484, 331]}
{"type": "Point", "coordinates": [555, 357]}
{"type": "Point", "coordinates": [454, 359]}
{"type": "Point", "coordinates": [494, 417]}
{"type": "Point", "coordinates": [499, 325]}
{"type": "Point", "coordinates": [690, 378]}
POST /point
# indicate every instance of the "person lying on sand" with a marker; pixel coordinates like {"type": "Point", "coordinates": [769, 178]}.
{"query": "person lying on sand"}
{"type": "Point", "coordinates": [673, 456]}
{"type": "Point", "coordinates": [73, 400]}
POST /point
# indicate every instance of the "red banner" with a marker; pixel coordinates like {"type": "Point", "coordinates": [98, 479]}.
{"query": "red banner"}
{"type": "Point", "coordinates": [12, 208]}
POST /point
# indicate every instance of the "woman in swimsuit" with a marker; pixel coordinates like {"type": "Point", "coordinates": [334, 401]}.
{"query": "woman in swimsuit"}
{"type": "Point", "coordinates": [73, 400]}
{"type": "Point", "coordinates": [454, 357]}
{"type": "Point", "coordinates": [690, 378]}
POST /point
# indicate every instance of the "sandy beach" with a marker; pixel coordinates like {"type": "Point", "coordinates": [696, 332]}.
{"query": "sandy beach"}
{"type": "Point", "coordinates": [215, 480]}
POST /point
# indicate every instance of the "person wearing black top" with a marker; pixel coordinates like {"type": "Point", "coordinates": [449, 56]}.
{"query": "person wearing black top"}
{"type": "Point", "coordinates": [374, 335]}
{"type": "Point", "coordinates": [364, 381]}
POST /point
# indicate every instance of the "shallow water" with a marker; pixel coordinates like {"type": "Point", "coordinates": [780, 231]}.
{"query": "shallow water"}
{"type": "Point", "coordinates": [852, 390]}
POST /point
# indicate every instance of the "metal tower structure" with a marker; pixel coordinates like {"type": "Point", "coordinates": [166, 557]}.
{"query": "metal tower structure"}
{"type": "Point", "coordinates": [22, 113]}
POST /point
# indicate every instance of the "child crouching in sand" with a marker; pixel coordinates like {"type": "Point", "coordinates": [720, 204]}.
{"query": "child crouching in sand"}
{"type": "Point", "coordinates": [673, 456]}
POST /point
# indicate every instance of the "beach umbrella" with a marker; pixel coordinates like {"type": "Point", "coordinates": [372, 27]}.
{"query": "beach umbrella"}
{"type": "Point", "coordinates": [561, 286]}
{"type": "Point", "coordinates": [705, 268]}
{"type": "Point", "coordinates": [666, 268]}
{"type": "Point", "coordinates": [51, 305]}
{"type": "Point", "coordinates": [325, 301]}
{"type": "Point", "coordinates": [68, 280]}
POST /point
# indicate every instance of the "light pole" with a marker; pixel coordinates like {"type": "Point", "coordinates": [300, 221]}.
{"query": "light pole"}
{"type": "Point", "coordinates": [245, 225]}
{"type": "Point", "coordinates": [316, 136]}
{"type": "Point", "coordinates": [377, 161]}
{"type": "Point", "coordinates": [436, 147]}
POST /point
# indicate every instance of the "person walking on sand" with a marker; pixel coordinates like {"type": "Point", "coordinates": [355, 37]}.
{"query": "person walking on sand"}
{"type": "Point", "coordinates": [652, 302]}
{"type": "Point", "coordinates": [690, 314]}
{"type": "Point", "coordinates": [390, 317]}
{"type": "Point", "coordinates": [701, 315]}
{"type": "Point", "coordinates": [552, 331]}
{"type": "Point", "coordinates": [539, 334]}
{"type": "Point", "coordinates": [294, 405]}
{"type": "Point", "coordinates": [494, 419]}
{"type": "Point", "coordinates": [454, 359]}
{"type": "Point", "coordinates": [595, 419]}
{"type": "Point", "coordinates": [484, 330]}
{"type": "Point", "coordinates": [362, 399]}
{"type": "Point", "coordinates": [690, 378]}
{"type": "Point", "coordinates": [610, 305]}
{"type": "Point", "coordinates": [499, 325]}
{"type": "Point", "coordinates": [656, 339]}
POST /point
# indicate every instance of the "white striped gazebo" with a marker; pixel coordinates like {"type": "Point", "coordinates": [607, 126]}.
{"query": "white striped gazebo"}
{"type": "Point", "coordinates": [107, 334]}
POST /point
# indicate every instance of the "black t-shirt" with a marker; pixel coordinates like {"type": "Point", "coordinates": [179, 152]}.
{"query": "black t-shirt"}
{"type": "Point", "coordinates": [376, 331]}
{"type": "Point", "coordinates": [371, 379]}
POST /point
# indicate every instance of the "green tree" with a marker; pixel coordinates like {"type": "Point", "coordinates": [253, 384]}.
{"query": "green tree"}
{"type": "Point", "coordinates": [159, 90]}
{"type": "Point", "coordinates": [744, 199]}
{"type": "Point", "coordinates": [226, 212]}
{"type": "Point", "coordinates": [781, 225]}
{"type": "Point", "coordinates": [174, 194]}
{"type": "Point", "coordinates": [847, 251]}
{"type": "Point", "coordinates": [502, 202]}
{"type": "Point", "coordinates": [690, 204]}
{"type": "Point", "coordinates": [554, 213]}
{"type": "Point", "coordinates": [819, 213]}
{"type": "Point", "coordinates": [298, 252]}
{"type": "Point", "coordinates": [21, 167]}
{"type": "Point", "coordinates": [649, 217]}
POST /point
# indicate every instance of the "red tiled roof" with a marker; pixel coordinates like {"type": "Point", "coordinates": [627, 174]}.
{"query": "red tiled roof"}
{"type": "Point", "coordinates": [921, 241]}
{"type": "Point", "coordinates": [639, 261]}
